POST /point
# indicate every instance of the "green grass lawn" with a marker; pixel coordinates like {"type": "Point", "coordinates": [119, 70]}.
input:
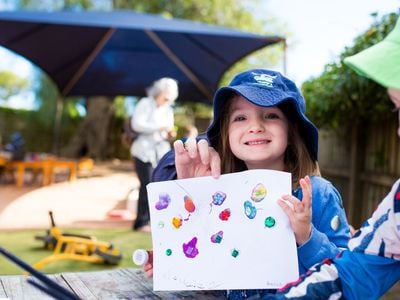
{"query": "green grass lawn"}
{"type": "Point", "coordinates": [23, 244]}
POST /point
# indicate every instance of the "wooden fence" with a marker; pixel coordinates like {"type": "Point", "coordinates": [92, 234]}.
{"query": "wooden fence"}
{"type": "Point", "coordinates": [362, 162]}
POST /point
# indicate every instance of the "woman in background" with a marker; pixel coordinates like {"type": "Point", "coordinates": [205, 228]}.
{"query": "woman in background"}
{"type": "Point", "coordinates": [153, 119]}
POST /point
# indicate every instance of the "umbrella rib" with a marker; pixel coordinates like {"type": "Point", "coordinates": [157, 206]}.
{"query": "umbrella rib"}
{"type": "Point", "coordinates": [196, 81]}
{"type": "Point", "coordinates": [82, 69]}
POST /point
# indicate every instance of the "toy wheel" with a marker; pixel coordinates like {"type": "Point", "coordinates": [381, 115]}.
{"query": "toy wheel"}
{"type": "Point", "coordinates": [109, 258]}
{"type": "Point", "coordinates": [49, 241]}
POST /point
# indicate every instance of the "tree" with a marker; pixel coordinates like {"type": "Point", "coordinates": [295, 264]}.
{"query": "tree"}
{"type": "Point", "coordinates": [11, 84]}
{"type": "Point", "coordinates": [340, 97]}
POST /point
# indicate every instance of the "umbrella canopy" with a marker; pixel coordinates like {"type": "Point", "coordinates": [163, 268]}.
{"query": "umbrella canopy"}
{"type": "Point", "coordinates": [122, 52]}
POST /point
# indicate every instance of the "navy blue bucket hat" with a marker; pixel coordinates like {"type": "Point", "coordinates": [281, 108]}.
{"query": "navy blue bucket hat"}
{"type": "Point", "coordinates": [266, 88]}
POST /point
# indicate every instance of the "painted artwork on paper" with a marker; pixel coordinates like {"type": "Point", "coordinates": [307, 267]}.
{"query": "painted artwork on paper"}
{"type": "Point", "coordinates": [226, 233]}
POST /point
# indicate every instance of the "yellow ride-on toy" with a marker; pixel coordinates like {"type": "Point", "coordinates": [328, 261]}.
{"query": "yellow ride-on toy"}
{"type": "Point", "coordinates": [68, 246]}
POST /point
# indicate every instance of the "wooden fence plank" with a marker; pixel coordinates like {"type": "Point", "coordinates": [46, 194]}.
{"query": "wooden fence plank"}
{"type": "Point", "coordinates": [365, 174]}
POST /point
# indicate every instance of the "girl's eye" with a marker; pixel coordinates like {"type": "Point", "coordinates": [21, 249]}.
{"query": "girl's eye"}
{"type": "Point", "coordinates": [238, 118]}
{"type": "Point", "coordinates": [271, 116]}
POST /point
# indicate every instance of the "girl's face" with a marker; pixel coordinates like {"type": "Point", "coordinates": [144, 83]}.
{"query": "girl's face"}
{"type": "Point", "coordinates": [258, 135]}
{"type": "Point", "coordinates": [394, 95]}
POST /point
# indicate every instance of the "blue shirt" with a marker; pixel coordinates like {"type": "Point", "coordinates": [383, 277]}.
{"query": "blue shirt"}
{"type": "Point", "coordinates": [330, 229]}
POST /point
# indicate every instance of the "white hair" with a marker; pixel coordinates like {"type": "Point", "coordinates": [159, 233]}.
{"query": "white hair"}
{"type": "Point", "coordinates": [164, 85]}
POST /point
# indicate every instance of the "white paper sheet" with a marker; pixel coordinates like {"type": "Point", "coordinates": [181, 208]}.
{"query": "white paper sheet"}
{"type": "Point", "coordinates": [216, 243]}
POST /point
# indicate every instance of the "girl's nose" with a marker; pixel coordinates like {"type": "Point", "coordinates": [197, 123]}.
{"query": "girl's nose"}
{"type": "Point", "coordinates": [256, 126]}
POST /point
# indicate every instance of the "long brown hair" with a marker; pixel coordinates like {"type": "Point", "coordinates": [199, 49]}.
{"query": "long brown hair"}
{"type": "Point", "coordinates": [297, 158]}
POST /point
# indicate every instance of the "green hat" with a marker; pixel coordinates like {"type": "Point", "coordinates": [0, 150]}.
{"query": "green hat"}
{"type": "Point", "coordinates": [380, 62]}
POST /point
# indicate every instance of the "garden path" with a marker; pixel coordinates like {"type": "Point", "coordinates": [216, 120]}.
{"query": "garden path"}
{"type": "Point", "coordinates": [100, 198]}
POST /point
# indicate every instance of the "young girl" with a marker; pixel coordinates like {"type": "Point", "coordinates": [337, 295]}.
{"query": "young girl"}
{"type": "Point", "coordinates": [259, 123]}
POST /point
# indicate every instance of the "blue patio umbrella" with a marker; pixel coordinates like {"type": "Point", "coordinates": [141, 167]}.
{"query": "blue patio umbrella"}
{"type": "Point", "coordinates": [122, 52]}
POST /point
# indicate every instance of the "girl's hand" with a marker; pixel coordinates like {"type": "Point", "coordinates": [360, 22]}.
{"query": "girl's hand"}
{"type": "Point", "coordinates": [196, 159]}
{"type": "Point", "coordinates": [299, 212]}
{"type": "Point", "coordinates": [148, 266]}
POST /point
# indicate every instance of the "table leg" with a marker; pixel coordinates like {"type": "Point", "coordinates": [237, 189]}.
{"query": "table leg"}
{"type": "Point", "coordinates": [47, 174]}
{"type": "Point", "coordinates": [20, 175]}
{"type": "Point", "coordinates": [73, 171]}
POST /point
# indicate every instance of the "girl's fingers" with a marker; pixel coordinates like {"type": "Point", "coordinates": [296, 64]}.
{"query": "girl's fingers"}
{"type": "Point", "coordinates": [179, 147]}
{"type": "Point", "coordinates": [191, 147]}
{"type": "Point", "coordinates": [297, 205]}
{"type": "Point", "coordinates": [197, 154]}
{"type": "Point", "coordinates": [204, 152]}
{"type": "Point", "coordinates": [305, 185]}
{"type": "Point", "coordinates": [149, 273]}
{"type": "Point", "coordinates": [287, 207]}
{"type": "Point", "coordinates": [148, 267]}
{"type": "Point", "coordinates": [215, 163]}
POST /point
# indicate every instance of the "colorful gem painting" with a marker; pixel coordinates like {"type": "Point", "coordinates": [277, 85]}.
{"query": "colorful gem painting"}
{"type": "Point", "coordinates": [259, 192]}
{"type": "Point", "coordinates": [189, 205]}
{"type": "Point", "coordinates": [163, 201]}
{"type": "Point", "coordinates": [205, 231]}
{"type": "Point", "coordinates": [190, 249]}
{"type": "Point", "coordinates": [177, 222]}
{"type": "Point", "coordinates": [269, 222]}
{"type": "Point", "coordinates": [235, 253]}
{"type": "Point", "coordinates": [225, 214]}
{"type": "Point", "coordinates": [217, 238]}
{"type": "Point", "coordinates": [218, 198]}
{"type": "Point", "coordinates": [250, 210]}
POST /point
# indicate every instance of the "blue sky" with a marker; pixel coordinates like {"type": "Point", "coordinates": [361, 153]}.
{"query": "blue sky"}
{"type": "Point", "coordinates": [322, 28]}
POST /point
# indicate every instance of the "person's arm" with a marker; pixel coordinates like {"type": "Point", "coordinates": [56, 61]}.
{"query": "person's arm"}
{"type": "Point", "coordinates": [352, 276]}
{"type": "Point", "coordinates": [330, 230]}
{"type": "Point", "coordinates": [380, 234]}
{"type": "Point", "coordinates": [321, 282]}
{"type": "Point", "coordinates": [366, 276]}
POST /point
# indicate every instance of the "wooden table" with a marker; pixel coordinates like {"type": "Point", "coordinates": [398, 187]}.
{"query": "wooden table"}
{"type": "Point", "coordinates": [47, 166]}
{"type": "Point", "coordinates": [3, 161]}
{"type": "Point", "coordinates": [109, 284]}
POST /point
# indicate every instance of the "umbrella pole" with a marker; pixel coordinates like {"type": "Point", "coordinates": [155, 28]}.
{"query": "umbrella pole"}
{"type": "Point", "coordinates": [57, 125]}
{"type": "Point", "coordinates": [167, 51]}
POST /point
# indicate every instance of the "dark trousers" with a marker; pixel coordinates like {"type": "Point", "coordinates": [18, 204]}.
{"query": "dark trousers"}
{"type": "Point", "coordinates": [143, 171]}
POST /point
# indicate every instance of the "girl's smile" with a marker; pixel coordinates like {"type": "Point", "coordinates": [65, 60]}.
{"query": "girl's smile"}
{"type": "Point", "coordinates": [257, 142]}
{"type": "Point", "coordinates": [258, 135]}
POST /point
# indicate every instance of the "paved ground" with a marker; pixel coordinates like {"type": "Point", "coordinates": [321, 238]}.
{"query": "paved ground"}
{"type": "Point", "coordinates": [99, 199]}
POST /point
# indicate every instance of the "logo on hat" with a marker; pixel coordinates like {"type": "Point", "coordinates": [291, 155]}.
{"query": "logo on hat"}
{"type": "Point", "coordinates": [264, 79]}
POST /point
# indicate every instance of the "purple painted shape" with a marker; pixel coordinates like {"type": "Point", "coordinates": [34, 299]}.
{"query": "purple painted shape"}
{"type": "Point", "coordinates": [190, 249]}
{"type": "Point", "coordinates": [217, 237]}
{"type": "Point", "coordinates": [163, 201]}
